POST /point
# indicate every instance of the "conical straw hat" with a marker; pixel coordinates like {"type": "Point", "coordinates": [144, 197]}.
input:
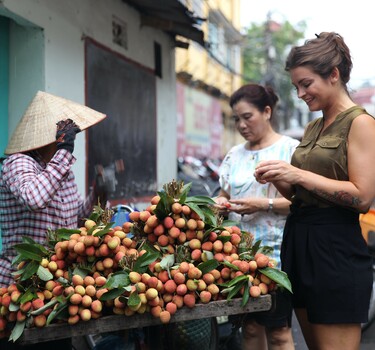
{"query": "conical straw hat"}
{"type": "Point", "coordinates": [37, 127]}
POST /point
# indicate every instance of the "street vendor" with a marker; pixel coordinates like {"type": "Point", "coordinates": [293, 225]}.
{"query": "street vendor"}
{"type": "Point", "coordinates": [37, 186]}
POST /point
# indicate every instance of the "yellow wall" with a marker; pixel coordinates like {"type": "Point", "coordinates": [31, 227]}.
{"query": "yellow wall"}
{"type": "Point", "coordinates": [197, 62]}
{"type": "Point", "coordinates": [229, 8]}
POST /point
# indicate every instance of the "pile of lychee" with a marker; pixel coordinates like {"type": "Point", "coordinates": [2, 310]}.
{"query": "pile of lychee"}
{"type": "Point", "coordinates": [81, 269]}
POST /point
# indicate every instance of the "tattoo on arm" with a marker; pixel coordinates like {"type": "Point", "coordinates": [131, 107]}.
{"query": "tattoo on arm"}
{"type": "Point", "coordinates": [340, 197]}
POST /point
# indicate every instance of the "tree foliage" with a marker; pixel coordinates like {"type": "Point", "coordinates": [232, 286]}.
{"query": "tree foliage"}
{"type": "Point", "coordinates": [265, 50]}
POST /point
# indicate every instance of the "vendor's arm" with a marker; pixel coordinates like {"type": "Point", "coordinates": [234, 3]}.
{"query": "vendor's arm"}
{"type": "Point", "coordinates": [35, 188]}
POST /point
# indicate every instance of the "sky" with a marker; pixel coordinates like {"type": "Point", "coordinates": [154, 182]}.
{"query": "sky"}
{"type": "Point", "coordinates": [354, 21]}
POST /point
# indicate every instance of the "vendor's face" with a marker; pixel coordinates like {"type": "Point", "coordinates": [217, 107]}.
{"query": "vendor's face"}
{"type": "Point", "coordinates": [48, 151]}
{"type": "Point", "coordinates": [251, 123]}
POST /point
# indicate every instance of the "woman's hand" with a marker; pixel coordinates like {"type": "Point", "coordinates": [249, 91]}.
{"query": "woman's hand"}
{"type": "Point", "coordinates": [248, 205]}
{"type": "Point", "coordinates": [222, 203]}
{"type": "Point", "coordinates": [276, 171]}
{"type": "Point", "coordinates": [282, 175]}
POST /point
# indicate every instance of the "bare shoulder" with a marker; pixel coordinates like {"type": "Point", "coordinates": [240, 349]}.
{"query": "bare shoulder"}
{"type": "Point", "coordinates": [362, 122]}
{"type": "Point", "coordinates": [363, 129]}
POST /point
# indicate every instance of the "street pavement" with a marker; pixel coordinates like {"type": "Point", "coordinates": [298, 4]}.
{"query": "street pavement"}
{"type": "Point", "coordinates": [368, 337]}
{"type": "Point", "coordinates": [367, 341]}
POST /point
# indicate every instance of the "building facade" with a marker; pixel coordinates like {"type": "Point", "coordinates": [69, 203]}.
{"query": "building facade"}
{"type": "Point", "coordinates": [116, 56]}
{"type": "Point", "coordinates": [206, 77]}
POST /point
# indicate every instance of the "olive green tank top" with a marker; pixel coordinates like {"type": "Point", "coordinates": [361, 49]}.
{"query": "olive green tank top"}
{"type": "Point", "coordinates": [324, 153]}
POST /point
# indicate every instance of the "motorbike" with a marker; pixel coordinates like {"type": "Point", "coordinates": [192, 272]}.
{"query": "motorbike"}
{"type": "Point", "coordinates": [202, 174]}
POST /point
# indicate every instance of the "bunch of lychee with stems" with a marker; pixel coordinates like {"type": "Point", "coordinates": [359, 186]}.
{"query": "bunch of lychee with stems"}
{"type": "Point", "coordinates": [174, 254]}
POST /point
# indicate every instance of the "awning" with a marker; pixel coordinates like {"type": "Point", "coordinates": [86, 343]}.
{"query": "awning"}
{"type": "Point", "coordinates": [170, 16]}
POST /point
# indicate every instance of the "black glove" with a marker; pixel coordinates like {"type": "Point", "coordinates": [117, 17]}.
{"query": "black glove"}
{"type": "Point", "coordinates": [66, 134]}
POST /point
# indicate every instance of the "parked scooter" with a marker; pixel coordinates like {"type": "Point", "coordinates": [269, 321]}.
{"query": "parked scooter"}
{"type": "Point", "coordinates": [202, 174]}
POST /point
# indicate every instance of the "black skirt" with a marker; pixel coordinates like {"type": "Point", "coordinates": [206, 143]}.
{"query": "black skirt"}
{"type": "Point", "coordinates": [328, 263]}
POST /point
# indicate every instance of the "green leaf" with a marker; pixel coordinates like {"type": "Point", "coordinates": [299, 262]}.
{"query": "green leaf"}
{"type": "Point", "coordinates": [245, 297]}
{"type": "Point", "coordinates": [56, 311]}
{"type": "Point", "coordinates": [16, 260]}
{"type": "Point", "coordinates": [63, 281]}
{"type": "Point", "coordinates": [208, 266]}
{"type": "Point", "coordinates": [63, 234]}
{"type": "Point", "coordinates": [42, 249]}
{"type": "Point", "coordinates": [208, 255]}
{"type": "Point", "coordinates": [243, 251]}
{"type": "Point", "coordinates": [235, 290]}
{"type": "Point", "coordinates": [95, 216]}
{"type": "Point", "coordinates": [233, 267]}
{"type": "Point", "coordinates": [149, 247]}
{"type": "Point", "coordinates": [123, 299]}
{"type": "Point", "coordinates": [45, 307]}
{"type": "Point", "coordinates": [30, 251]}
{"type": "Point", "coordinates": [118, 279]}
{"type": "Point", "coordinates": [13, 306]}
{"type": "Point", "coordinates": [167, 262]}
{"type": "Point", "coordinates": [143, 261]}
{"type": "Point", "coordinates": [184, 192]}
{"type": "Point", "coordinates": [197, 209]}
{"type": "Point", "coordinates": [224, 239]}
{"type": "Point", "coordinates": [280, 277]}
{"type": "Point", "coordinates": [81, 271]}
{"type": "Point", "coordinates": [163, 208]}
{"type": "Point", "coordinates": [61, 231]}
{"type": "Point", "coordinates": [134, 299]}
{"type": "Point", "coordinates": [209, 216]}
{"type": "Point", "coordinates": [235, 280]}
{"type": "Point", "coordinates": [28, 295]}
{"type": "Point", "coordinates": [30, 269]}
{"type": "Point", "coordinates": [44, 274]}
{"type": "Point", "coordinates": [112, 294]}
{"type": "Point", "coordinates": [266, 250]}
{"type": "Point", "coordinates": [17, 330]}
{"type": "Point", "coordinates": [104, 230]}
{"type": "Point", "coordinates": [200, 200]}
{"type": "Point", "coordinates": [255, 247]}
{"type": "Point", "coordinates": [28, 240]}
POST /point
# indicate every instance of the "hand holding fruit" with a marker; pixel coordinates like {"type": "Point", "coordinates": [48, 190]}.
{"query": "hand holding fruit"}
{"type": "Point", "coordinates": [222, 203]}
{"type": "Point", "coordinates": [246, 206]}
{"type": "Point", "coordinates": [277, 171]}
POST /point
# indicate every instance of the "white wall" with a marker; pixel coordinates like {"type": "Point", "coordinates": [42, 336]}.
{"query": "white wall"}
{"type": "Point", "coordinates": [65, 23]}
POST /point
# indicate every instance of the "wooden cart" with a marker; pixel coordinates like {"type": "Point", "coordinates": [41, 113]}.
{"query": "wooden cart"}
{"type": "Point", "coordinates": [119, 322]}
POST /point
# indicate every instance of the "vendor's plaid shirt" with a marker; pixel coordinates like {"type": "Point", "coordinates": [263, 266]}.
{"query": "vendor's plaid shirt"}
{"type": "Point", "coordinates": [34, 197]}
